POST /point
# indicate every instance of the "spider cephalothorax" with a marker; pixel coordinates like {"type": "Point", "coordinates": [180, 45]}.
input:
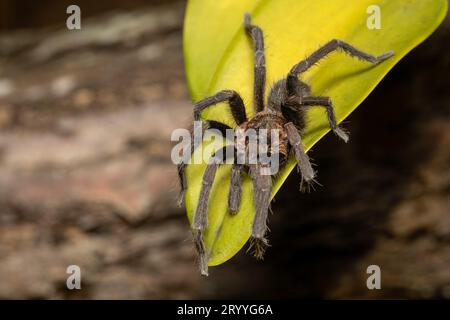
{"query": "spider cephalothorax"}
{"type": "Point", "coordinates": [284, 112]}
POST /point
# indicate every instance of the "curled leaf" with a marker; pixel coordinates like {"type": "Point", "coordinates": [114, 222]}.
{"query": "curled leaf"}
{"type": "Point", "coordinates": [218, 55]}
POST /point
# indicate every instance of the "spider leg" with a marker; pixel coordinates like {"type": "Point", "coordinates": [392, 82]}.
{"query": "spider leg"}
{"type": "Point", "coordinates": [201, 216]}
{"type": "Point", "coordinates": [182, 166]}
{"type": "Point", "coordinates": [260, 62]}
{"type": "Point", "coordinates": [329, 47]}
{"type": "Point", "coordinates": [326, 102]}
{"type": "Point", "coordinates": [262, 188]}
{"type": "Point", "coordinates": [232, 97]}
{"type": "Point", "coordinates": [303, 162]}
{"type": "Point", "coordinates": [234, 197]}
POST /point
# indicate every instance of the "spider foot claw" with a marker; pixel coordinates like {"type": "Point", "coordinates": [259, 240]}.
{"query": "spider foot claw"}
{"type": "Point", "coordinates": [260, 245]}
{"type": "Point", "coordinates": [247, 19]}
{"type": "Point", "coordinates": [385, 56]}
{"type": "Point", "coordinates": [307, 185]}
{"type": "Point", "coordinates": [341, 133]}
{"type": "Point", "coordinates": [233, 211]}
{"type": "Point", "coordinates": [307, 172]}
{"type": "Point", "coordinates": [198, 239]}
{"type": "Point", "coordinates": [180, 200]}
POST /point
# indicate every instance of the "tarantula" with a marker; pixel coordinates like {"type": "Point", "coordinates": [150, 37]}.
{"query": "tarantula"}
{"type": "Point", "coordinates": [287, 104]}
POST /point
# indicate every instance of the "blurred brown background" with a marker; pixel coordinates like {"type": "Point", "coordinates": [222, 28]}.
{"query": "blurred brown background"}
{"type": "Point", "coordinates": [86, 176]}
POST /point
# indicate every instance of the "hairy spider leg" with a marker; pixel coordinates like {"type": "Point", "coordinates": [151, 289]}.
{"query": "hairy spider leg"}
{"type": "Point", "coordinates": [232, 97]}
{"type": "Point", "coordinates": [201, 217]}
{"type": "Point", "coordinates": [209, 124]}
{"type": "Point", "coordinates": [293, 84]}
{"type": "Point", "coordinates": [259, 63]}
{"type": "Point", "coordinates": [262, 188]}
{"type": "Point", "coordinates": [322, 52]}
{"type": "Point", "coordinates": [201, 212]}
{"type": "Point", "coordinates": [298, 104]}
{"type": "Point", "coordinates": [303, 163]}
{"type": "Point", "coordinates": [234, 197]}
{"type": "Point", "coordinates": [326, 102]}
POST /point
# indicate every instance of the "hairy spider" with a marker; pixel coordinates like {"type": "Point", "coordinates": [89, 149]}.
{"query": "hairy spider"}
{"type": "Point", "coordinates": [285, 110]}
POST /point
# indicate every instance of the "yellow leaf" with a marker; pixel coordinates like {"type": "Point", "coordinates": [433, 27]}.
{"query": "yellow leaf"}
{"type": "Point", "coordinates": [219, 55]}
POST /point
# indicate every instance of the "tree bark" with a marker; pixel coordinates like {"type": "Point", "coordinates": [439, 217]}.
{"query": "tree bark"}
{"type": "Point", "coordinates": [86, 176]}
